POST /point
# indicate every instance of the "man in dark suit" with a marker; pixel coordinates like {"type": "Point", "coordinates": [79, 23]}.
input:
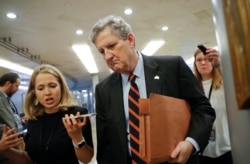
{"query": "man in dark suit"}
{"type": "Point", "coordinates": [9, 84]}
{"type": "Point", "coordinates": [165, 75]}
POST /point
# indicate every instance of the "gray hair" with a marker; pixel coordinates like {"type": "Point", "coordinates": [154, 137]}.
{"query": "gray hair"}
{"type": "Point", "coordinates": [118, 26]}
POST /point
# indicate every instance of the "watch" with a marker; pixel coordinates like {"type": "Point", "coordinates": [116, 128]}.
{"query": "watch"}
{"type": "Point", "coordinates": [79, 144]}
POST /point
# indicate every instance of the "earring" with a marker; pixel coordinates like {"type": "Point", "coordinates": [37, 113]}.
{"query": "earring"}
{"type": "Point", "coordinates": [36, 102]}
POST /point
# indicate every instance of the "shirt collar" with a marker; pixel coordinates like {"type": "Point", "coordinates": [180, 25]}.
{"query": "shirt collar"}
{"type": "Point", "coordinates": [139, 72]}
{"type": "Point", "coordinates": [5, 94]}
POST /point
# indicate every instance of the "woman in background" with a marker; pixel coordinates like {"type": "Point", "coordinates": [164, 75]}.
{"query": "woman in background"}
{"type": "Point", "coordinates": [208, 72]}
{"type": "Point", "coordinates": [54, 134]}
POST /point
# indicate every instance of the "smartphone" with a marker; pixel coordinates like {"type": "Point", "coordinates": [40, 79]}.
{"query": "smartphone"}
{"type": "Point", "coordinates": [85, 115]}
{"type": "Point", "coordinates": [202, 48]}
{"type": "Point", "coordinates": [23, 133]}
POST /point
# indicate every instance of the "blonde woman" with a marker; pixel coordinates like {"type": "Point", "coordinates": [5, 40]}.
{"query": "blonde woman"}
{"type": "Point", "coordinates": [207, 71]}
{"type": "Point", "coordinates": [54, 135]}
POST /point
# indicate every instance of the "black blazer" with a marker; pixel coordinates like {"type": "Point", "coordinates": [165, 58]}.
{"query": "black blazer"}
{"type": "Point", "coordinates": [175, 79]}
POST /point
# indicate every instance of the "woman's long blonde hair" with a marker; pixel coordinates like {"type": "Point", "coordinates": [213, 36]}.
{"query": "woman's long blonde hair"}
{"type": "Point", "coordinates": [32, 108]}
{"type": "Point", "coordinates": [216, 73]}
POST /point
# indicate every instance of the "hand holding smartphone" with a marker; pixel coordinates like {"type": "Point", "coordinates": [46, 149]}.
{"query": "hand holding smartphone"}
{"type": "Point", "coordinates": [202, 48]}
{"type": "Point", "coordinates": [85, 115]}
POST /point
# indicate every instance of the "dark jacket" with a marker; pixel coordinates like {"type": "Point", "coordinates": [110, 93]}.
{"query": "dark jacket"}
{"type": "Point", "coordinates": [176, 80]}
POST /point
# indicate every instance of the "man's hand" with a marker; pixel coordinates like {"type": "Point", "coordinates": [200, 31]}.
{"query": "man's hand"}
{"type": "Point", "coordinates": [182, 152]}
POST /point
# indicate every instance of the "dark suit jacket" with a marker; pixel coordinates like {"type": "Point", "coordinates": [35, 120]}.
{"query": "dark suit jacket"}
{"type": "Point", "coordinates": [176, 80]}
{"type": "Point", "coordinates": [6, 115]}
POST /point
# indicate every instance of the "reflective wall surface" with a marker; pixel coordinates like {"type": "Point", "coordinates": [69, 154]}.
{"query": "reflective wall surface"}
{"type": "Point", "coordinates": [239, 120]}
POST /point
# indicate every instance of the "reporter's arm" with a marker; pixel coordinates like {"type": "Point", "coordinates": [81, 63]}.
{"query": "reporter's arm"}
{"type": "Point", "coordinates": [18, 156]}
{"type": "Point", "coordinates": [74, 129]}
{"type": "Point", "coordinates": [214, 57]}
{"type": "Point", "coordinates": [8, 143]}
{"type": "Point", "coordinates": [84, 153]}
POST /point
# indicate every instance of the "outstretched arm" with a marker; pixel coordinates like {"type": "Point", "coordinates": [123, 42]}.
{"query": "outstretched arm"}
{"type": "Point", "coordinates": [8, 144]}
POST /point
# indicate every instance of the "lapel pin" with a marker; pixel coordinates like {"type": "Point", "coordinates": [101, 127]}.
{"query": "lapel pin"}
{"type": "Point", "coordinates": [157, 77]}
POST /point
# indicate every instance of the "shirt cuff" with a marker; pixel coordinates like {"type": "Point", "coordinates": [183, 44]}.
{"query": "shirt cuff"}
{"type": "Point", "coordinates": [194, 143]}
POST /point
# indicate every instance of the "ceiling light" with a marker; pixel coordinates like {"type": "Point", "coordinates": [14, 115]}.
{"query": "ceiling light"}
{"type": "Point", "coordinates": [85, 55]}
{"type": "Point", "coordinates": [164, 28]}
{"type": "Point", "coordinates": [15, 67]}
{"type": "Point", "coordinates": [152, 47]}
{"type": "Point", "coordinates": [79, 32]}
{"type": "Point", "coordinates": [22, 87]}
{"type": "Point", "coordinates": [128, 11]}
{"type": "Point", "coordinates": [11, 15]}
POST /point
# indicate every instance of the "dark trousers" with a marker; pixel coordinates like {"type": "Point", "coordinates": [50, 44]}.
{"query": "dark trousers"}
{"type": "Point", "coordinates": [225, 158]}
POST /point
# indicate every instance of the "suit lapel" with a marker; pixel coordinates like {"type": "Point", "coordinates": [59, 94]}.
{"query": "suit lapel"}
{"type": "Point", "coordinates": [153, 76]}
{"type": "Point", "coordinates": [6, 111]}
{"type": "Point", "coordinates": [6, 103]}
{"type": "Point", "coordinates": [119, 115]}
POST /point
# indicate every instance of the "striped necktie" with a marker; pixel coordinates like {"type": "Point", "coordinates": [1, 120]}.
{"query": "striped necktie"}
{"type": "Point", "coordinates": [133, 104]}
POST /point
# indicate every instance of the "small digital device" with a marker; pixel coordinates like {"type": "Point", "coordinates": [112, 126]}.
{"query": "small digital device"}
{"type": "Point", "coordinates": [202, 48]}
{"type": "Point", "coordinates": [79, 144]}
{"type": "Point", "coordinates": [85, 115]}
{"type": "Point", "coordinates": [23, 133]}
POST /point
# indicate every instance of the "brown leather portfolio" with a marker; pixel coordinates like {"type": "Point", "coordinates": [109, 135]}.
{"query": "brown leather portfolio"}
{"type": "Point", "coordinates": [164, 121]}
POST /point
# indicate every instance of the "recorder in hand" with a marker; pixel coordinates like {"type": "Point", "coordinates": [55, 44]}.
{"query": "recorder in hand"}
{"type": "Point", "coordinates": [202, 48]}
